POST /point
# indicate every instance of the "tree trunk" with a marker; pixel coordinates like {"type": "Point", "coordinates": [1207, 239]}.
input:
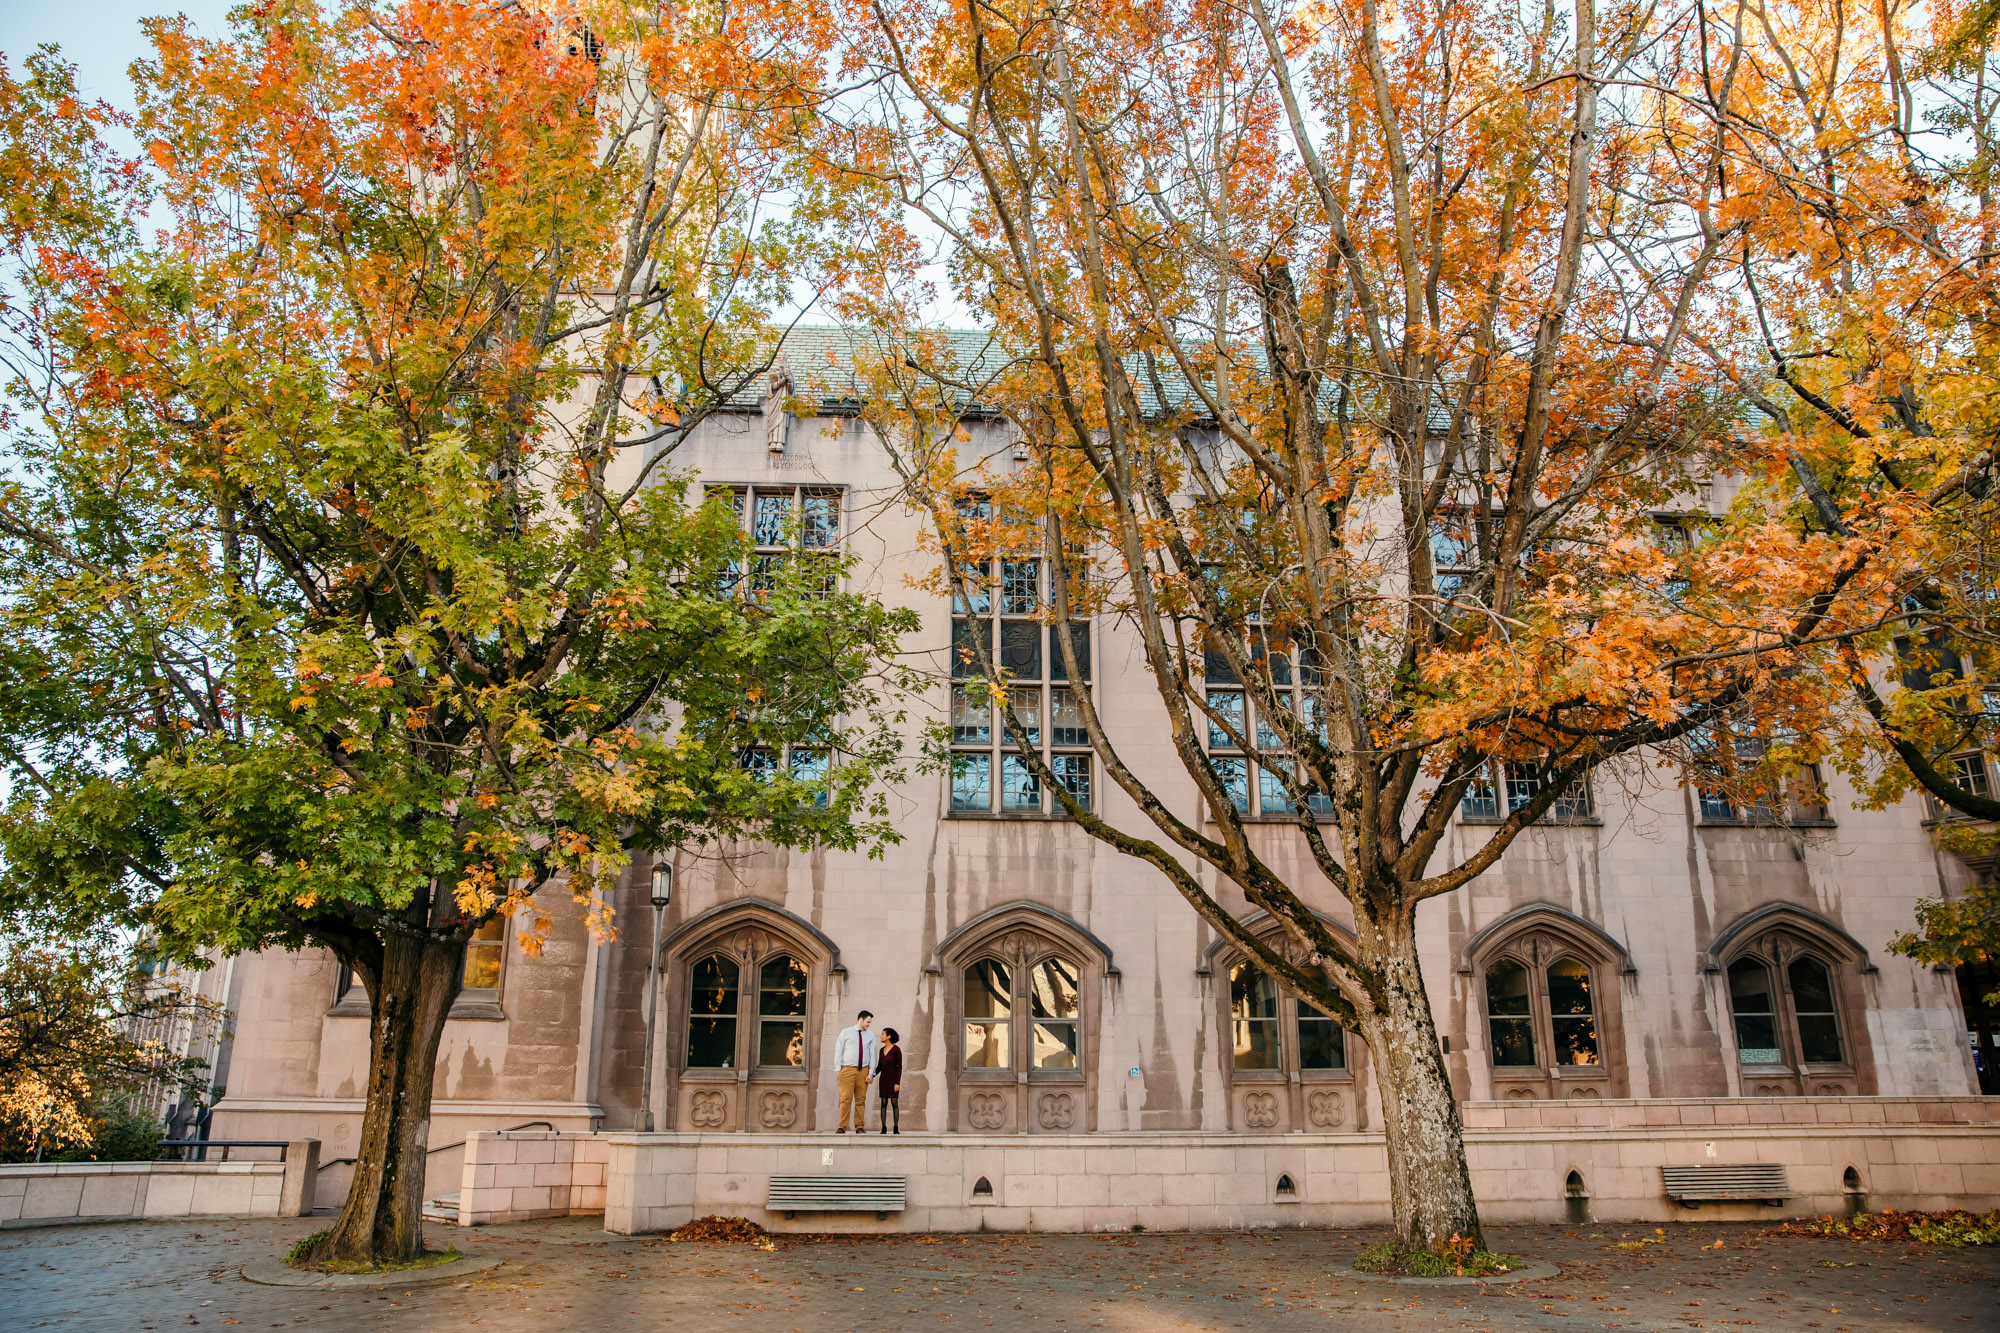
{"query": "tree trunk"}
{"type": "Point", "coordinates": [1430, 1186]}
{"type": "Point", "coordinates": [382, 1221]}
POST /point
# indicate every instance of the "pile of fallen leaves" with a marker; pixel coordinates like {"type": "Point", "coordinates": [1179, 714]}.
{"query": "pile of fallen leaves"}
{"type": "Point", "coordinates": [713, 1230]}
{"type": "Point", "coordinates": [1956, 1227]}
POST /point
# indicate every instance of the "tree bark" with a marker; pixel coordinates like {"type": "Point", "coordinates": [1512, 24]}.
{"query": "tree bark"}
{"type": "Point", "coordinates": [382, 1221]}
{"type": "Point", "coordinates": [1430, 1186]}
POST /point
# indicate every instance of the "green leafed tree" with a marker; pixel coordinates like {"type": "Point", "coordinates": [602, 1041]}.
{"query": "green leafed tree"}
{"type": "Point", "coordinates": [353, 599]}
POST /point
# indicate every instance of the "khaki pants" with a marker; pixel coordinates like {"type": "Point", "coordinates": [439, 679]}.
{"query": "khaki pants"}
{"type": "Point", "coordinates": [854, 1098]}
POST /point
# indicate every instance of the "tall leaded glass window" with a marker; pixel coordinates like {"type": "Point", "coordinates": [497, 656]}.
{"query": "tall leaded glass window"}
{"type": "Point", "coordinates": [712, 1001]}
{"type": "Point", "coordinates": [1572, 1016]}
{"type": "Point", "coordinates": [1510, 1014]}
{"type": "Point", "coordinates": [1003, 608]}
{"type": "Point", "coordinates": [1499, 789]}
{"type": "Point", "coordinates": [1756, 1010]}
{"type": "Point", "coordinates": [989, 1013]}
{"type": "Point", "coordinates": [784, 523]}
{"type": "Point", "coordinates": [1253, 1018]}
{"type": "Point", "coordinates": [1322, 1041]}
{"type": "Point", "coordinates": [1056, 1005]}
{"type": "Point", "coordinates": [1746, 786]}
{"type": "Point", "coordinates": [1813, 1007]}
{"type": "Point", "coordinates": [1261, 779]}
{"type": "Point", "coordinates": [1271, 1031]}
{"type": "Point", "coordinates": [781, 1012]}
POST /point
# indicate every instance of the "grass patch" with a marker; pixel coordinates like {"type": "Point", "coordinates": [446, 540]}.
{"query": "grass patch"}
{"type": "Point", "coordinates": [1456, 1258]}
{"type": "Point", "coordinates": [1955, 1228]}
{"type": "Point", "coordinates": [302, 1251]}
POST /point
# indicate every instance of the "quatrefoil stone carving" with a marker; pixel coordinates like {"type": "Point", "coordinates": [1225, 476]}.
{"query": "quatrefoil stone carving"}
{"type": "Point", "coordinates": [986, 1110]}
{"type": "Point", "coordinates": [780, 1109]}
{"type": "Point", "coordinates": [710, 1109]}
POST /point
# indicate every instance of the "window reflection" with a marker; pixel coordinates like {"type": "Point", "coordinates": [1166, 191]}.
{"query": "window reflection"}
{"type": "Point", "coordinates": [712, 1014]}
{"type": "Point", "coordinates": [1322, 1042]}
{"type": "Point", "coordinates": [1054, 1002]}
{"type": "Point", "coordinates": [1253, 1018]}
{"type": "Point", "coordinates": [483, 953]}
{"type": "Point", "coordinates": [989, 1009]}
{"type": "Point", "coordinates": [1509, 1014]}
{"type": "Point", "coordinates": [1756, 1013]}
{"type": "Point", "coordinates": [781, 1012]}
{"type": "Point", "coordinates": [1812, 1002]}
{"type": "Point", "coordinates": [1571, 1013]}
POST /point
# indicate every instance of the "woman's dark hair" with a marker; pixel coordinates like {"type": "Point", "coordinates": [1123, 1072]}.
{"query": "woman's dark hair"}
{"type": "Point", "coordinates": [890, 1033]}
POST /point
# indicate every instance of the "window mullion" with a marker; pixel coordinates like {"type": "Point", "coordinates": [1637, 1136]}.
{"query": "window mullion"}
{"type": "Point", "coordinates": [1545, 1028]}
{"type": "Point", "coordinates": [748, 1032]}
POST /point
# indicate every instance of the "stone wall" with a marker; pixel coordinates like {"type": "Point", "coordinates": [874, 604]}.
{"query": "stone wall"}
{"type": "Point", "coordinates": [508, 1177]}
{"type": "Point", "coordinates": [1906, 1153]}
{"type": "Point", "coordinates": [55, 1193]}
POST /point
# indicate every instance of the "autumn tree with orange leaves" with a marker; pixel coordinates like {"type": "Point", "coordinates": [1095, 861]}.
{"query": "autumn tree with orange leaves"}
{"type": "Point", "coordinates": [1397, 361]}
{"type": "Point", "coordinates": [352, 599]}
{"type": "Point", "coordinates": [1872, 272]}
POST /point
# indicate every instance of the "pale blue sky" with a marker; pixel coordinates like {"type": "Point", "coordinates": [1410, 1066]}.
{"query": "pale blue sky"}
{"type": "Point", "coordinates": [100, 37]}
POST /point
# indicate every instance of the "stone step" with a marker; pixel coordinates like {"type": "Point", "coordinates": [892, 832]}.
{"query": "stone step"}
{"type": "Point", "coordinates": [444, 1208]}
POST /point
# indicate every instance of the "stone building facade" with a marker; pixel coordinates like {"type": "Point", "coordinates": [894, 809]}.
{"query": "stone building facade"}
{"type": "Point", "coordinates": [1646, 945]}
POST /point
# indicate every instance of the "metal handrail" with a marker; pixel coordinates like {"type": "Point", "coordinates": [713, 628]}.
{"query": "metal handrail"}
{"type": "Point", "coordinates": [281, 1145]}
{"type": "Point", "coordinates": [532, 1124]}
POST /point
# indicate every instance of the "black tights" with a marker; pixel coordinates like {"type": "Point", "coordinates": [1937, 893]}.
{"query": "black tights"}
{"type": "Point", "coordinates": [892, 1113]}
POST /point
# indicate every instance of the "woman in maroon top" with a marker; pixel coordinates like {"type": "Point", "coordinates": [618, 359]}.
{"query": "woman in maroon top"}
{"type": "Point", "coordinates": [889, 1078]}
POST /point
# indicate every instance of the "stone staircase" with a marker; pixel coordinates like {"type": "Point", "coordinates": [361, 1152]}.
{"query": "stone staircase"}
{"type": "Point", "coordinates": [444, 1209]}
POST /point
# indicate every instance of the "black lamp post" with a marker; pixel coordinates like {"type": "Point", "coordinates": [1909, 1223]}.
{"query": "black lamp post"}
{"type": "Point", "coordinates": [663, 891]}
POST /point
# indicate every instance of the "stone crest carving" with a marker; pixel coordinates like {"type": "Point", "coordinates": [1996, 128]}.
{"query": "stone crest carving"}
{"type": "Point", "coordinates": [1325, 1109]}
{"type": "Point", "coordinates": [780, 1110]}
{"type": "Point", "coordinates": [709, 1110]}
{"type": "Point", "coordinates": [1260, 1110]}
{"type": "Point", "coordinates": [1521, 1095]}
{"type": "Point", "coordinates": [986, 1110]}
{"type": "Point", "coordinates": [1021, 945]}
{"type": "Point", "coordinates": [1058, 1110]}
{"type": "Point", "coordinates": [750, 943]}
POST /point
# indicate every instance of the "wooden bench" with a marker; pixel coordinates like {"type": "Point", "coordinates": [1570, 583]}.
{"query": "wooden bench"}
{"type": "Point", "coordinates": [1692, 1186]}
{"type": "Point", "coordinates": [880, 1195]}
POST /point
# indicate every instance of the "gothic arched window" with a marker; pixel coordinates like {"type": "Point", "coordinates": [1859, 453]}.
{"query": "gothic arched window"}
{"type": "Point", "coordinates": [1285, 1061]}
{"type": "Point", "coordinates": [1022, 985]}
{"type": "Point", "coordinates": [1794, 984]}
{"type": "Point", "coordinates": [1796, 1024]}
{"type": "Point", "coordinates": [1544, 976]}
{"type": "Point", "coordinates": [742, 1012]}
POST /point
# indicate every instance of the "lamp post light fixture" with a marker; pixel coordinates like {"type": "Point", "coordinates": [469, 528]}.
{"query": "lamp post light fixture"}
{"type": "Point", "coordinates": [662, 893]}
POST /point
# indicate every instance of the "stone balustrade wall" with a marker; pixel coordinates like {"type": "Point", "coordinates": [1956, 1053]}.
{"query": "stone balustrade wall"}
{"type": "Point", "coordinates": [1916, 1154]}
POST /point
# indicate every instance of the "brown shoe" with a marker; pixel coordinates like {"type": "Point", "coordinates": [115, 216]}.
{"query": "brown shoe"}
{"type": "Point", "coordinates": [841, 1130]}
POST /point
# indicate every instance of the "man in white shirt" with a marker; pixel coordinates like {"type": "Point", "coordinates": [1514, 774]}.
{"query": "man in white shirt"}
{"type": "Point", "coordinates": [854, 1052]}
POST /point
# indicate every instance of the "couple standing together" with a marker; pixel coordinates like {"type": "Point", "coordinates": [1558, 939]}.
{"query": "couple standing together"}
{"type": "Point", "coordinates": [863, 1059]}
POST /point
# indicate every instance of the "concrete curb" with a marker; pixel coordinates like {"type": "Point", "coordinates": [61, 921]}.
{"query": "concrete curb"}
{"type": "Point", "coordinates": [278, 1273]}
{"type": "Point", "coordinates": [1529, 1272]}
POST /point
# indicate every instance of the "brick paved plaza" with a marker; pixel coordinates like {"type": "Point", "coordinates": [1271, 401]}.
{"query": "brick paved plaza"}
{"type": "Point", "coordinates": [571, 1275]}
